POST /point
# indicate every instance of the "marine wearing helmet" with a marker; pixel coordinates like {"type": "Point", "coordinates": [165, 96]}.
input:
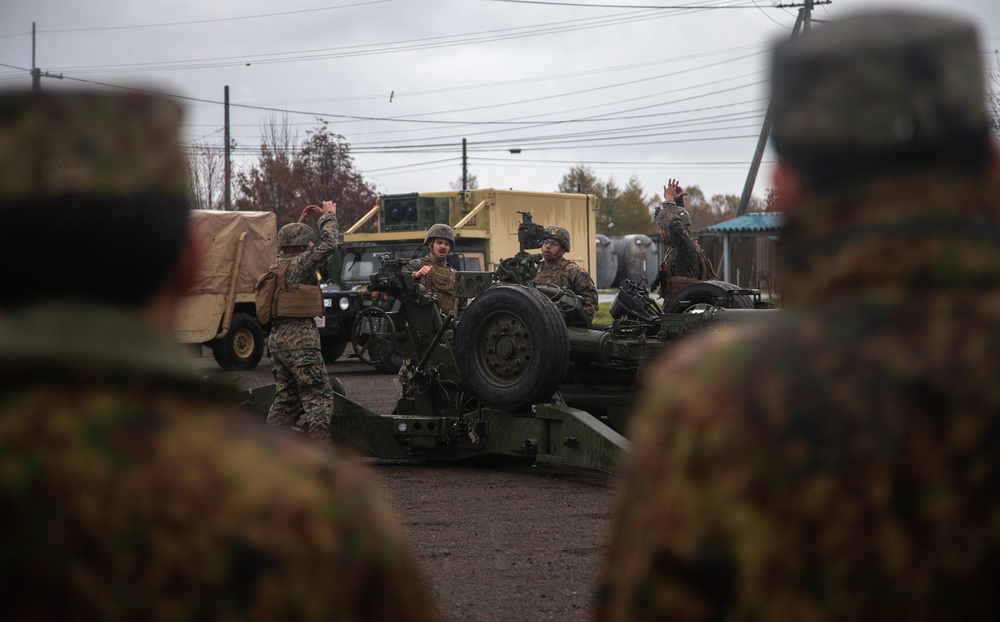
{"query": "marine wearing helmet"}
{"type": "Point", "coordinates": [668, 212]}
{"type": "Point", "coordinates": [441, 231]}
{"type": "Point", "coordinates": [559, 234]}
{"type": "Point", "coordinates": [295, 234]}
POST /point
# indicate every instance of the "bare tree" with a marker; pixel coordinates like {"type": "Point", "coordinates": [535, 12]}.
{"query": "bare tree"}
{"type": "Point", "coordinates": [207, 169]}
{"type": "Point", "coordinates": [994, 93]}
{"type": "Point", "coordinates": [269, 185]}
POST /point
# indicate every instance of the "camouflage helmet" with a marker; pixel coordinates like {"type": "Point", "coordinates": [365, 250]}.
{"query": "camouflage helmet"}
{"type": "Point", "coordinates": [669, 211]}
{"type": "Point", "coordinates": [295, 234]}
{"type": "Point", "coordinates": [883, 81]}
{"type": "Point", "coordinates": [440, 231]}
{"type": "Point", "coordinates": [559, 234]}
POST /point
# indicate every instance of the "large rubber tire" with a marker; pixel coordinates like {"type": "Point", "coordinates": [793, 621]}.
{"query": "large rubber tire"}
{"type": "Point", "coordinates": [512, 347]}
{"type": "Point", "coordinates": [332, 348]}
{"type": "Point", "coordinates": [705, 292]}
{"type": "Point", "coordinates": [242, 347]}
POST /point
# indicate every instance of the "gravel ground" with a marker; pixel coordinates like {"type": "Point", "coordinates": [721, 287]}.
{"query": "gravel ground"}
{"type": "Point", "coordinates": [497, 541]}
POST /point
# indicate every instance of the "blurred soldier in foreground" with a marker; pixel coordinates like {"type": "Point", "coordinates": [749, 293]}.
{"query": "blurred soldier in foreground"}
{"type": "Point", "coordinates": [843, 461]}
{"type": "Point", "coordinates": [558, 270]}
{"type": "Point", "coordinates": [302, 385]}
{"type": "Point", "coordinates": [130, 488]}
{"type": "Point", "coordinates": [684, 261]}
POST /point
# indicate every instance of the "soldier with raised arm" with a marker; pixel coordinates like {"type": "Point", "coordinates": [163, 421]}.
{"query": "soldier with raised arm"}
{"type": "Point", "coordinates": [301, 382]}
{"type": "Point", "coordinates": [684, 261]}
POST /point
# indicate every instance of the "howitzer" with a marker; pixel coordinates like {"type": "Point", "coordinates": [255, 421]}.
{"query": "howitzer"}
{"type": "Point", "coordinates": [511, 378]}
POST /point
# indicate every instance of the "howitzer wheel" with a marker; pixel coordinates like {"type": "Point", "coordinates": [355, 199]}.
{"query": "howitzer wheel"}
{"type": "Point", "coordinates": [512, 347]}
{"type": "Point", "coordinates": [705, 292]}
{"type": "Point", "coordinates": [372, 335]}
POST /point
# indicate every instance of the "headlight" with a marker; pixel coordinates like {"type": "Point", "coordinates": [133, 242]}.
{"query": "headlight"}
{"type": "Point", "coordinates": [344, 303]}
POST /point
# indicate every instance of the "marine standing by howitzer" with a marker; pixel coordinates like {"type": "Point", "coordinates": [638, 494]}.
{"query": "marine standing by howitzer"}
{"type": "Point", "coordinates": [433, 271]}
{"type": "Point", "coordinates": [684, 261]}
{"type": "Point", "coordinates": [560, 271]}
{"type": "Point", "coordinates": [302, 386]}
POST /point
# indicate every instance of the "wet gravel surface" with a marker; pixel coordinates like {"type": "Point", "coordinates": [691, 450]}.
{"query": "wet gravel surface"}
{"type": "Point", "coordinates": [495, 541]}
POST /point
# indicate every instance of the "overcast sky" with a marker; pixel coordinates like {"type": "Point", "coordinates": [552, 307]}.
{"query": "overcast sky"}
{"type": "Point", "coordinates": [650, 88]}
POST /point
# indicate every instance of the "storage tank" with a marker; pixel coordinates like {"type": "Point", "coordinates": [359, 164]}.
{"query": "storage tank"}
{"type": "Point", "coordinates": [607, 262]}
{"type": "Point", "coordinates": [637, 258]}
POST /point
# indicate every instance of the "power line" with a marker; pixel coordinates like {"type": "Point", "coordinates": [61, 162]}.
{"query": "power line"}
{"type": "Point", "coordinates": [216, 20]}
{"type": "Point", "coordinates": [627, 6]}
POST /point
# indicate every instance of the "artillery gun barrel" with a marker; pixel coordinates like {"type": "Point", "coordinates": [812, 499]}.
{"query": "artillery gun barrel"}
{"type": "Point", "coordinates": [634, 342]}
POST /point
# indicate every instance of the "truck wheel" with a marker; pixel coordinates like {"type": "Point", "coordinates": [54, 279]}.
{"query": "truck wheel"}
{"type": "Point", "coordinates": [332, 348]}
{"type": "Point", "coordinates": [243, 345]}
{"type": "Point", "coordinates": [705, 292]}
{"type": "Point", "coordinates": [512, 347]}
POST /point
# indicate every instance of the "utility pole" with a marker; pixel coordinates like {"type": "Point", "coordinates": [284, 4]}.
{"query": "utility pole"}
{"type": "Point", "coordinates": [228, 167]}
{"type": "Point", "coordinates": [765, 130]}
{"type": "Point", "coordinates": [36, 73]}
{"type": "Point", "coordinates": [465, 167]}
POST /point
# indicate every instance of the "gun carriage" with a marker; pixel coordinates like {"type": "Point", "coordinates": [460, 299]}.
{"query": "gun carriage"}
{"type": "Point", "coordinates": [524, 374]}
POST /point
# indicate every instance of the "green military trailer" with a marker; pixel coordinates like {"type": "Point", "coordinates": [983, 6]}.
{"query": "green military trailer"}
{"type": "Point", "coordinates": [523, 374]}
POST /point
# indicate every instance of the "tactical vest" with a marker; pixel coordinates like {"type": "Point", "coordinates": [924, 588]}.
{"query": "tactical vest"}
{"type": "Point", "coordinates": [275, 300]}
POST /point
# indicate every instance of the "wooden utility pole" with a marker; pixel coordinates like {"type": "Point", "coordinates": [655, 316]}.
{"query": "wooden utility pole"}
{"type": "Point", "coordinates": [801, 21]}
{"type": "Point", "coordinates": [465, 167]}
{"type": "Point", "coordinates": [36, 73]}
{"type": "Point", "coordinates": [228, 166]}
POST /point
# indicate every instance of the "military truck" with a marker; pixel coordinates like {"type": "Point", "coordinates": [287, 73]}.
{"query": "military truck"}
{"type": "Point", "coordinates": [485, 223]}
{"type": "Point", "coordinates": [220, 311]}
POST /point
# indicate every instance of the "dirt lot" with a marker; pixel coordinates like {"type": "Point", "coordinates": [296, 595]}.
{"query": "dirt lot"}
{"type": "Point", "coordinates": [496, 542]}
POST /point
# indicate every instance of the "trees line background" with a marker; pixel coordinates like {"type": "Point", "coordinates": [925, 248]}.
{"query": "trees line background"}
{"type": "Point", "coordinates": [287, 175]}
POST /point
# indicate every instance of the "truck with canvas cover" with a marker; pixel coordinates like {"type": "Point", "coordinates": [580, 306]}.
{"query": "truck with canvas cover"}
{"type": "Point", "coordinates": [220, 311]}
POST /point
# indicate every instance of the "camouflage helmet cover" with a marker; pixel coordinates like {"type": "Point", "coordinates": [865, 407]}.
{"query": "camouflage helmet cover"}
{"type": "Point", "coordinates": [669, 211]}
{"type": "Point", "coordinates": [878, 81]}
{"type": "Point", "coordinates": [440, 231]}
{"type": "Point", "coordinates": [59, 144]}
{"type": "Point", "coordinates": [295, 234]}
{"type": "Point", "coordinates": [559, 234]}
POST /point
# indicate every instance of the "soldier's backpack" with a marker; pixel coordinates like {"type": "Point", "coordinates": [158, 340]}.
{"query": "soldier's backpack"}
{"type": "Point", "coordinates": [273, 299]}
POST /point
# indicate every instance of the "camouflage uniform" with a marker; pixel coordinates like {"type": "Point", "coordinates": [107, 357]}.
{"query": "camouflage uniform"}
{"type": "Point", "coordinates": [568, 274]}
{"type": "Point", "coordinates": [683, 257]}
{"type": "Point", "coordinates": [132, 490]}
{"type": "Point", "coordinates": [130, 487]}
{"type": "Point", "coordinates": [441, 281]}
{"type": "Point", "coordinates": [300, 378]}
{"type": "Point", "coordinates": [842, 460]}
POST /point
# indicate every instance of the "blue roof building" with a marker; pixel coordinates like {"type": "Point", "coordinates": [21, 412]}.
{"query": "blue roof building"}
{"type": "Point", "coordinates": [761, 224]}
